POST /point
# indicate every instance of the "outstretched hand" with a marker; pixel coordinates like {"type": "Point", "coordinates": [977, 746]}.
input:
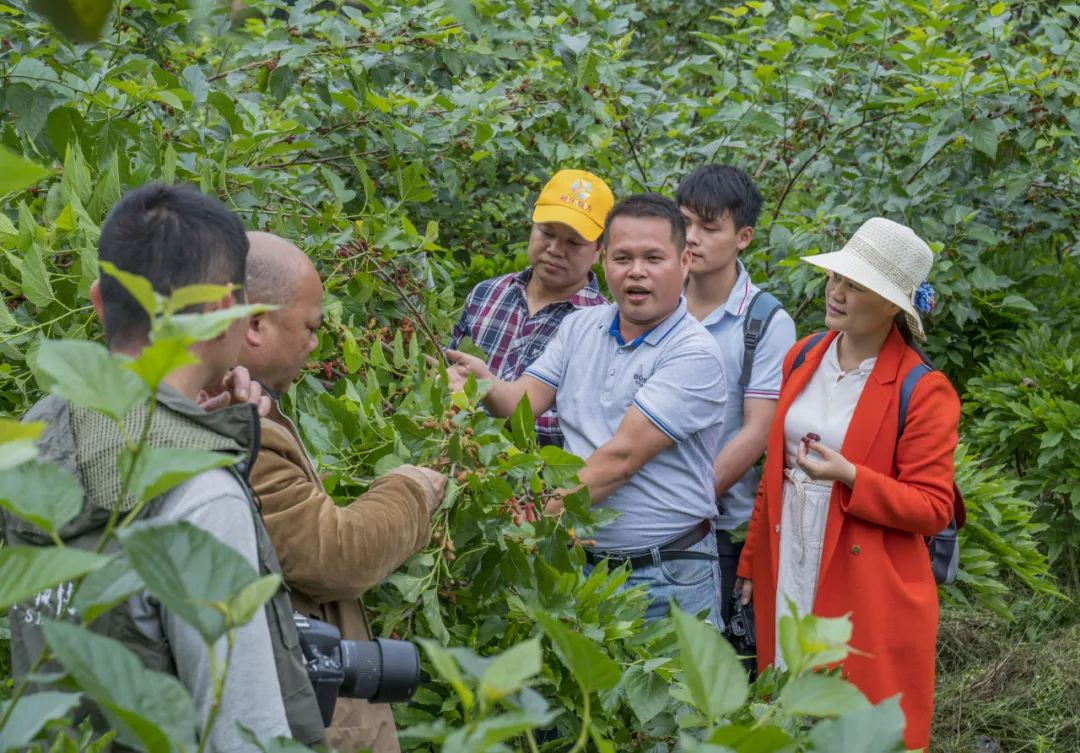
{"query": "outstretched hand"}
{"type": "Point", "coordinates": [830, 465]}
{"type": "Point", "coordinates": [235, 388]}
{"type": "Point", "coordinates": [463, 364]}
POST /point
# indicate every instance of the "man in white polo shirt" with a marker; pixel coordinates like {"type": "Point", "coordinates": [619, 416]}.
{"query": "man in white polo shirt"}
{"type": "Point", "coordinates": [641, 388]}
{"type": "Point", "coordinates": [721, 205]}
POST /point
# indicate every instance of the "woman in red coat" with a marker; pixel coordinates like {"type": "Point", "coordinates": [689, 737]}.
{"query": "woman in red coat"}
{"type": "Point", "coordinates": [844, 503]}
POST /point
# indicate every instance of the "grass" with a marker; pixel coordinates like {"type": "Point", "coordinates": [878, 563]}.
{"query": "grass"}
{"type": "Point", "coordinates": [1008, 688]}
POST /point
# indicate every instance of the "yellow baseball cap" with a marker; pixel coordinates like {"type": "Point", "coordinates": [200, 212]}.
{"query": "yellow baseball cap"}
{"type": "Point", "coordinates": [576, 198]}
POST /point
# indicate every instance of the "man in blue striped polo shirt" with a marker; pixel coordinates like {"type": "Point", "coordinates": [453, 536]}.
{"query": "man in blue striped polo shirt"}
{"type": "Point", "coordinates": [640, 387]}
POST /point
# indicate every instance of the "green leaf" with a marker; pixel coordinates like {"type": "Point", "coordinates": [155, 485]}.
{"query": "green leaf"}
{"type": "Point", "coordinates": [17, 439]}
{"type": "Point", "coordinates": [7, 227]}
{"type": "Point", "coordinates": [1015, 301]}
{"type": "Point", "coordinates": [30, 715]}
{"type": "Point", "coordinates": [711, 668]}
{"type": "Point", "coordinates": [446, 667]}
{"type": "Point", "coordinates": [647, 693]}
{"type": "Point", "coordinates": [252, 597]}
{"type": "Point", "coordinates": [160, 359]}
{"type": "Point", "coordinates": [560, 467]}
{"type": "Point", "coordinates": [523, 424]}
{"type": "Point", "coordinates": [28, 570]}
{"type": "Point", "coordinates": [511, 670]}
{"type": "Point", "coordinates": [817, 695]}
{"type": "Point", "coordinates": [36, 285]}
{"type": "Point", "coordinates": [42, 494]}
{"type": "Point", "coordinates": [148, 709]}
{"type": "Point", "coordinates": [189, 570]}
{"type": "Point", "coordinates": [79, 20]}
{"type": "Point", "coordinates": [88, 375]}
{"type": "Point", "coordinates": [351, 353]}
{"type": "Point", "coordinates": [104, 588]}
{"type": "Point", "coordinates": [17, 173]}
{"type": "Point", "coordinates": [207, 326]}
{"type": "Point", "coordinates": [984, 137]}
{"type": "Point", "coordinates": [194, 295]}
{"type": "Point", "coordinates": [159, 469]}
{"type": "Point", "coordinates": [878, 729]}
{"type": "Point", "coordinates": [751, 740]}
{"type": "Point", "coordinates": [581, 655]}
{"type": "Point", "coordinates": [138, 287]}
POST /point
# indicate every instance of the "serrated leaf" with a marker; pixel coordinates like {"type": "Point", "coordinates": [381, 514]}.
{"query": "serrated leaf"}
{"type": "Point", "coordinates": [88, 375]}
{"type": "Point", "coordinates": [106, 587]}
{"type": "Point", "coordinates": [160, 469]}
{"type": "Point", "coordinates": [511, 670]}
{"type": "Point", "coordinates": [17, 173]}
{"type": "Point", "coordinates": [28, 570]}
{"type": "Point", "coordinates": [447, 668]}
{"type": "Point", "coordinates": [878, 729]}
{"type": "Point", "coordinates": [138, 287]}
{"type": "Point", "coordinates": [149, 709]}
{"type": "Point", "coordinates": [711, 668]}
{"type": "Point", "coordinates": [817, 695]}
{"type": "Point", "coordinates": [194, 295]}
{"type": "Point", "coordinates": [160, 359]}
{"type": "Point", "coordinates": [78, 20]}
{"type": "Point", "coordinates": [523, 424]}
{"type": "Point", "coordinates": [560, 467]}
{"type": "Point", "coordinates": [251, 598]}
{"type": "Point", "coordinates": [36, 285]}
{"type": "Point", "coordinates": [1015, 301]}
{"type": "Point", "coordinates": [206, 326]}
{"type": "Point", "coordinates": [581, 655]}
{"type": "Point", "coordinates": [984, 136]}
{"type": "Point", "coordinates": [188, 569]}
{"type": "Point", "coordinates": [42, 494]}
{"type": "Point", "coordinates": [30, 714]}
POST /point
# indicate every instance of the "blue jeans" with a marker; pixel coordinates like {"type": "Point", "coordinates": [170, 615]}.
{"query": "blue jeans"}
{"type": "Point", "coordinates": [693, 584]}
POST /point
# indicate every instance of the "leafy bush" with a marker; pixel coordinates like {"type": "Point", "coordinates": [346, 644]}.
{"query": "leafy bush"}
{"type": "Point", "coordinates": [1024, 413]}
{"type": "Point", "coordinates": [400, 145]}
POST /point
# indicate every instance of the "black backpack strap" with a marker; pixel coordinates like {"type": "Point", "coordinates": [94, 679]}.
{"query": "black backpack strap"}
{"type": "Point", "coordinates": [763, 306]}
{"type": "Point", "coordinates": [807, 346]}
{"type": "Point", "coordinates": [906, 388]}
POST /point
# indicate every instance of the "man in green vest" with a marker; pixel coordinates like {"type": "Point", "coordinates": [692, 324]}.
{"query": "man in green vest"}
{"type": "Point", "coordinates": [175, 236]}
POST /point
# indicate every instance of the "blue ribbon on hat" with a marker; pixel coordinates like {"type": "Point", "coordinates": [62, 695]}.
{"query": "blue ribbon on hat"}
{"type": "Point", "coordinates": [924, 298]}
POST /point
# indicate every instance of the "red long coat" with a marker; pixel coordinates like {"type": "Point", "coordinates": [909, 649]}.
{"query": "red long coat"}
{"type": "Point", "coordinates": [874, 562]}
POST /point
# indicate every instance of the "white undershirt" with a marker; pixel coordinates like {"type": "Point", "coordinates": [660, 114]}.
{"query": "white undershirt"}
{"type": "Point", "coordinates": [824, 407]}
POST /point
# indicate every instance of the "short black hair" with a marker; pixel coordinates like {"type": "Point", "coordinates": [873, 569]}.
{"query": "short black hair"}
{"type": "Point", "coordinates": [712, 190]}
{"type": "Point", "coordinates": [649, 205]}
{"type": "Point", "coordinates": [173, 236]}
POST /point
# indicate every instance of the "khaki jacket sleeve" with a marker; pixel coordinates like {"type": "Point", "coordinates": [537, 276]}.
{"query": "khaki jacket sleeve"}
{"type": "Point", "coordinates": [333, 553]}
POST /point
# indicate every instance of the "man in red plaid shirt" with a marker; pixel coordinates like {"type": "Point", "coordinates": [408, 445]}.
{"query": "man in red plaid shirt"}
{"type": "Point", "coordinates": [513, 317]}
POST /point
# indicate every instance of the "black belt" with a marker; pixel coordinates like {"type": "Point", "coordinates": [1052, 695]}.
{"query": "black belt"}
{"type": "Point", "coordinates": [673, 550]}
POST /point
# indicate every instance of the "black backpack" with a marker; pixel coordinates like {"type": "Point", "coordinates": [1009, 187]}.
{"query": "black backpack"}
{"type": "Point", "coordinates": [763, 306]}
{"type": "Point", "coordinates": [944, 546]}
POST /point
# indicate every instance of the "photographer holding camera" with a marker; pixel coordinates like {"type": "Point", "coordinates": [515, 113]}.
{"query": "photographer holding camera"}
{"type": "Point", "coordinates": [329, 554]}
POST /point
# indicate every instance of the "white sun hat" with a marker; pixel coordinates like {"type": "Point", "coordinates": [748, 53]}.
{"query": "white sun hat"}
{"type": "Point", "coordinates": [889, 259]}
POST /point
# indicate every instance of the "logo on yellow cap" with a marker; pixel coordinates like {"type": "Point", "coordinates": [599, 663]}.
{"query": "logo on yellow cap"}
{"type": "Point", "coordinates": [582, 189]}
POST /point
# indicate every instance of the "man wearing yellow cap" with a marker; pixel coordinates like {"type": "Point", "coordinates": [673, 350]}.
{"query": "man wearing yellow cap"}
{"type": "Point", "coordinates": [513, 317]}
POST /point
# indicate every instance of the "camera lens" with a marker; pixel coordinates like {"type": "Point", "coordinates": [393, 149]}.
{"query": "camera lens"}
{"type": "Point", "coordinates": [381, 671]}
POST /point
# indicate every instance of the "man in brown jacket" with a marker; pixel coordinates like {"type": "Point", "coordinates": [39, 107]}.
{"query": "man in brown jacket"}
{"type": "Point", "coordinates": [329, 554]}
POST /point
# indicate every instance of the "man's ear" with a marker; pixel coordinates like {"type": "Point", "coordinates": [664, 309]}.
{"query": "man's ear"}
{"type": "Point", "coordinates": [255, 334]}
{"type": "Point", "coordinates": [95, 299]}
{"type": "Point", "coordinates": [744, 235]}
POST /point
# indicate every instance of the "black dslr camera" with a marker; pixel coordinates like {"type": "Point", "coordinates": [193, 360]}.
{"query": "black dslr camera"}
{"type": "Point", "coordinates": [741, 630]}
{"type": "Point", "coordinates": [380, 670]}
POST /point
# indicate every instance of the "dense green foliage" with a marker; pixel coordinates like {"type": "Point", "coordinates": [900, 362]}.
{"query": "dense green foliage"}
{"type": "Point", "coordinates": [401, 144]}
